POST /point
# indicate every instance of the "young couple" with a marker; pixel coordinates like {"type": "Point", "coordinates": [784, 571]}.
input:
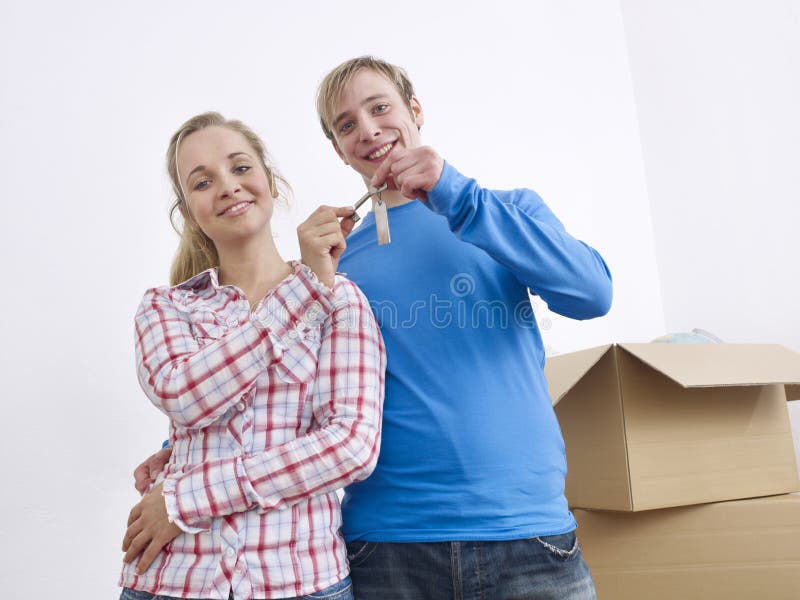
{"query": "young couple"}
{"type": "Point", "coordinates": [272, 374]}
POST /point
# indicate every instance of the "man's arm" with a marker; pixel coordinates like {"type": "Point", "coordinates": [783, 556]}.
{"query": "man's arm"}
{"type": "Point", "coordinates": [146, 473]}
{"type": "Point", "coordinates": [519, 231]}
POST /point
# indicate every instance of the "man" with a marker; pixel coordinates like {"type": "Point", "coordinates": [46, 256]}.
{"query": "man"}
{"type": "Point", "coordinates": [467, 499]}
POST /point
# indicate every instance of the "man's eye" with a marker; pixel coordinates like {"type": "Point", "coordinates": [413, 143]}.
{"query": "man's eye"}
{"type": "Point", "coordinates": [379, 108]}
{"type": "Point", "coordinates": [347, 126]}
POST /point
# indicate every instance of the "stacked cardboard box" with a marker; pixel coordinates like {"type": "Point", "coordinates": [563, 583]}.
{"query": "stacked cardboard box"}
{"type": "Point", "coordinates": [682, 468]}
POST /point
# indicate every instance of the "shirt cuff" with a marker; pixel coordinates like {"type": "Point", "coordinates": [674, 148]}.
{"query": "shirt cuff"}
{"type": "Point", "coordinates": [173, 510]}
{"type": "Point", "coordinates": [301, 303]}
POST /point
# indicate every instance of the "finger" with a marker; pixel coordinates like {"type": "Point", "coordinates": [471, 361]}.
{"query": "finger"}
{"type": "Point", "coordinates": [315, 220]}
{"type": "Point", "coordinates": [137, 545]}
{"type": "Point", "coordinates": [130, 534]}
{"type": "Point", "coordinates": [313, 237]}
{"type": "Point", "coordinates": [149, 555]}
{"type": "Point", "coordinates": [338, 249]}
{"type": "Point", "coordinates": [344, 211]}
{"type": "Point", "coordinates": [385, 168]}
{"type": "Point", "coordinates": [346, 226]}
{"type": "Point", "coordinates": [331, 240]}
{"type": "Point", "coordinates": [135, 513]}
{"type": "Point", "coordinates": [413, 186]}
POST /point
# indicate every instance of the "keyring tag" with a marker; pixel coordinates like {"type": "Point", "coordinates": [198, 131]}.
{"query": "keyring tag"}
{"type": "Point", "coordinates": [382, 221]}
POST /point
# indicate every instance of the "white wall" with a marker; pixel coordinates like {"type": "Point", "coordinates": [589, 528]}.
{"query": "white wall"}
{"type": "Point", "coordinates": [537, 94]}
{"type": "Point", "coordinates": [717, 86]}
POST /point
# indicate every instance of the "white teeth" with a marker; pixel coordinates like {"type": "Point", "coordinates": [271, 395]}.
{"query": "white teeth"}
{"type": "Point", "coordinates": [235, 208]}
{"type": "Point", "coordinates": [381, 152]}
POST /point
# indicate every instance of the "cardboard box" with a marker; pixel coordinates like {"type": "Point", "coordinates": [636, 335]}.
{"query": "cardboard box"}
{"type": "Point", "coordinates": [736, 550]}
{"type": "Point", "coordinates": [656, 425]}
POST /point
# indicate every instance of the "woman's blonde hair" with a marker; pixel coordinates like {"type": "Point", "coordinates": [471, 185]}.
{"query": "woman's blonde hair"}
{"type": "Point", "coordinates": [330, 90]}
{"type": "Point", "coordinates": [196, 252]}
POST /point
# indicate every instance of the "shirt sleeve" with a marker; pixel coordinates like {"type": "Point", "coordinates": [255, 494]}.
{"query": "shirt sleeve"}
{"type": "Point", "coordinates": [195, 382]}
{"type": "Point", "coordinates": [347, 400]}
{"type": "Point", "coordinates": [519, 231]}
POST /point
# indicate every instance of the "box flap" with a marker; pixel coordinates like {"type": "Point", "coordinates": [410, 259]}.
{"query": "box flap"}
{"type": "Point", "coordinates": [792, 392]}
{"type": "Point", "coordinates": [565, 370]}
{"type": "Point", "coordinates": [707, 365]}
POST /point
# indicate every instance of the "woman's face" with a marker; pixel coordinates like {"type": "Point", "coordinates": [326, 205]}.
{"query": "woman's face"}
{"type": "Point", "coordinates": [226, 188]}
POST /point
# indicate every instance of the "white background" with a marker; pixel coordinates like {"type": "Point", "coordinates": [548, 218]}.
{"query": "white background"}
{"type": "Point", "coordinates": [663, 133]}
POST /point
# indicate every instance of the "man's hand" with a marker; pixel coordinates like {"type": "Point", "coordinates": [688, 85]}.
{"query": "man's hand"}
{"type": "Point", "coordinates": [413, 171]}
{"type": "Point", "coordinates": [146, 473]}
{"type": "Point", "coordinates": [321, 238]}
{"type": "Point", "coordinates": [149, 530]}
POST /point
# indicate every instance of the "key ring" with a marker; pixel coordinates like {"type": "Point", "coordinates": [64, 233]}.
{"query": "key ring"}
{"type": "Point", "coordinates": [364, 198]}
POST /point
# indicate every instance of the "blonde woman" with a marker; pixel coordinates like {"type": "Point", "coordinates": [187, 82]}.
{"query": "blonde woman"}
{"type": "Point", "coordinates": [271, 373]}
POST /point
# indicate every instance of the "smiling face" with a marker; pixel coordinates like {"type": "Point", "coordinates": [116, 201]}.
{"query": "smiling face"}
{"type": "Point", "coordinates": [371, 120]}
{"type": "Point", "coordinates": [227, 190]}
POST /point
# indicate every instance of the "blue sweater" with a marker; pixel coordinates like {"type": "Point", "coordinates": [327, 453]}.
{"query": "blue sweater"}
{"type": "Point", "coordinates": [471, 447]}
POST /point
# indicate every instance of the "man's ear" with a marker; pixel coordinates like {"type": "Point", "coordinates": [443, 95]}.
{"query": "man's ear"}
{"type": "Point", "coordinates": [416, 111]}
{"type": "Point", "coordinates": [339, 152]}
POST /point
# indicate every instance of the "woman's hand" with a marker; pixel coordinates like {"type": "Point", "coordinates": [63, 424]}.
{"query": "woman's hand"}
{"type": "Point", "coordinates": [321, 238]}
{"type": "Point", "coordinates": [146, 473]}
{"type": "Point", "coordinates": [149, 530]}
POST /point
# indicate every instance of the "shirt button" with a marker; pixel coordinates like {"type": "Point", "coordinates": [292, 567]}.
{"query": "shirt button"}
{"type": "Point", "coordinates": [240, 406]}
{"type": "Point", "coordinates": [237, 453]}
{"type": "Point", "coordinates": [230, 552]}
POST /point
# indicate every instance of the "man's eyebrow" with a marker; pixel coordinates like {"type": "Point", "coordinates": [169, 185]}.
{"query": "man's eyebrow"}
{"type": "Point", "coordinates": [367, 100]}
{"type": "Point", "coordinates": [201, 167]}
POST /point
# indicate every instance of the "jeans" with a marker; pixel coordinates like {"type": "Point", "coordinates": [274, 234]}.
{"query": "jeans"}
{"type": "Point", "coordinates": [539, 568]}
{"type": "Point", "coordinates": [338, 591]}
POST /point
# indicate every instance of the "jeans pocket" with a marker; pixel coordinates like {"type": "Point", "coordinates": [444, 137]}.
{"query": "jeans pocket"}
{"type": "Point", "coordinates": [563, 546]}
{"type": "Point", "coordinates": [338, 591]}
{"type": "Point", "coordinates": [358, 552]}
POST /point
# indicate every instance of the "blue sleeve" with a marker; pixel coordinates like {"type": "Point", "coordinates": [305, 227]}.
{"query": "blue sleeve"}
{"type": "Point", "coordinates": [518, 230]}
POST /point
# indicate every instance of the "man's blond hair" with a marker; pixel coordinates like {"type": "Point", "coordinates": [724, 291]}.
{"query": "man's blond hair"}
{"type": "Point", "coordinates": [331, 88]}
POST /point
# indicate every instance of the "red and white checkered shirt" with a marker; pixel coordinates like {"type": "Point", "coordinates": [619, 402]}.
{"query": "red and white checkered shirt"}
{"type": "Point", "coordinates": [271, 411]}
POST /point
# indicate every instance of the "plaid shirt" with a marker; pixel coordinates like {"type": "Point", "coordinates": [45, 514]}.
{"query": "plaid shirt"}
{"type": "Point", "coordinates": [271, 411]}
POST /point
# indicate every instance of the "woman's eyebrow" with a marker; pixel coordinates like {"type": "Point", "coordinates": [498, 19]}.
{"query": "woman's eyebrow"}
{"type": "Point", "coordinates": [201, 167]}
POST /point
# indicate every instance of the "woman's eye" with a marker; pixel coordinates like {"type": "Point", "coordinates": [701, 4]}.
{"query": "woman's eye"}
{"type": "Point", "coordinates": [241, 169]}
{"type": "Point", "coordinates": [201, 184]}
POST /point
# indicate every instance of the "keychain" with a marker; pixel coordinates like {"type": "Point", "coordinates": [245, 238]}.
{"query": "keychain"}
{"type": "Point", "coordinates": [381, 214]}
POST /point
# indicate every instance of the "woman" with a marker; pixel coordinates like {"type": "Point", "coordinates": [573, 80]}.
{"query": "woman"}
{"type": "Point", "coordinates": [272, 376]}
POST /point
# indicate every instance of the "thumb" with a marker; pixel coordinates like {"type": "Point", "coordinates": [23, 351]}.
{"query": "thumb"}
{"type": "Point", "coordinates": [344, 211]}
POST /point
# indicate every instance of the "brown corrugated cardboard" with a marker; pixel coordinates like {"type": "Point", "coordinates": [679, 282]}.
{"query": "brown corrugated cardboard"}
{"type": "Point", "coordinates": [656, 425]}
{"type": "Point", "coordinates": [736, 550]}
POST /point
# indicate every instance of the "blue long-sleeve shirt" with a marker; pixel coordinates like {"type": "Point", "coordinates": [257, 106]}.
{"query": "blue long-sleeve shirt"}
{"type": "Point", "coordinates": [471, 447]}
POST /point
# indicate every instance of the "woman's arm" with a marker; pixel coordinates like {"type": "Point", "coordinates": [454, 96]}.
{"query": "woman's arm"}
{"type": "Point", "coordinates": [194, 383]}
{"type": "Point", "coordinates": [347, 402]}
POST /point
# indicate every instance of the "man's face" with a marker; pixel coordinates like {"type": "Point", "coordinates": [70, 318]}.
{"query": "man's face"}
{"type": "Point", "coordinates": [371, 120]}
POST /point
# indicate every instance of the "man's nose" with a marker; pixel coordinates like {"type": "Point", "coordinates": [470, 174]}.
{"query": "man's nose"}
{"type": "Point", "coordinates": [370, 129]}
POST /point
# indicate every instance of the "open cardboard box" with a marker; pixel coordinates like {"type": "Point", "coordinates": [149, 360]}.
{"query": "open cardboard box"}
{"type": "Point", "coordinates": [736, 550]}
{"type": "Point", "coordinates": [657, 425]}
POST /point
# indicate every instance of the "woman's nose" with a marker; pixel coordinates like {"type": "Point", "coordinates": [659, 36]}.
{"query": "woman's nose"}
{"type": "Point", "coordinates": [229, 186]}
